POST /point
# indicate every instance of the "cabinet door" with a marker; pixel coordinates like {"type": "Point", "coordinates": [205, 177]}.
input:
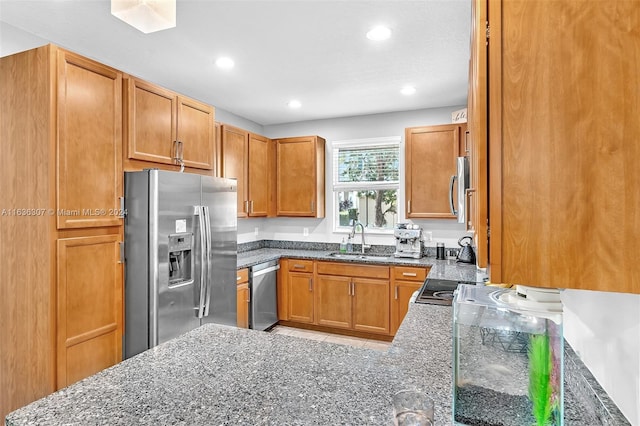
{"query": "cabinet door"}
{"type": "Point", "coordinates": [89, 327]}
{"type": "Point", "coordinates": [300, 177]}
{"type": "Point", "coordinates": [259, 175]}
{"type": "Point", "coordinates": [151, 122]}
{"type": "Point", "coordinates": [301, 297]}
{"type": "Point", "coordinates": [334, 301]}
{"type": "Point", "coordinates": [564, 148]}
{"type": "Point", "coordinates": [401, 292]}
{"type": "Point", "coordinates": [242, 305]}
{"type": "Point", "coordinates": [477, 128]}
{"type": "Point", "coordinates": [195, 132]}
{"type": "Point", "coordinates": [371, 305]}
{"type": "Point", "coordinates": [234, 149]}
{"type": "Point", "coordinates": [89, 163]}
{"type": "Point", "coordinates": [430, 161]}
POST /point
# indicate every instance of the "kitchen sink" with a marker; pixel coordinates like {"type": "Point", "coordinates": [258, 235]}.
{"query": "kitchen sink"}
{"type": "Point", "coordinates": [357, 256]}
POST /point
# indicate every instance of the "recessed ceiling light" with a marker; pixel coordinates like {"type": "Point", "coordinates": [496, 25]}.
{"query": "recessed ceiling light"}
{"type": "Point", "coordinates": [408, 90]}
{"type": "Point", "coordinates": [379, 33]}
{"type": "Point", "coordinates": [225, 63]}
{"type": "Point", "coordinates": [294, 104]}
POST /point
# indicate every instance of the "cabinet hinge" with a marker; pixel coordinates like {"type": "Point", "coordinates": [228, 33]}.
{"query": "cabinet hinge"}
{"type": "Point", "coordinates": [121, 243]}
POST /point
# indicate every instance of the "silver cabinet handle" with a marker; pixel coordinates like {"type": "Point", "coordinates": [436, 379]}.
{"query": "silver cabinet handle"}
{"type": "Point", "coordinates": [178, 154]}
{"type": "Point", "coordinates": [238, 278]}
{"type": "Point", "coordinates": [451, 182]}
{"type": "Point", "coordinates": [313, 206]}
{"type": "Point", "coordinates": [298, 266]}
{"type": "Point", "coordinates": [409, 274]}
{"type": "Point", "coordinates": [409, 206]}
{"type": "Point", "coordinates": [246, 206]}
{"type": "Point", "coordinates": [250, 206]}
{"type": "Point", "coordinates": [310, 284]}
{"type": "Point", "coordinates": [396, 293]}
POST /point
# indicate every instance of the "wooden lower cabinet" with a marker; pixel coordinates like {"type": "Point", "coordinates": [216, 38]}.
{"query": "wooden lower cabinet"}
{"type": "Point", "coordinates": [371, 305]}
{"type": "Point", "coordinates": [357, 300]}
{"type": "Point", "coordinates": [301, 297]}
{"type": "Point", "coordinates": [334, 301]}
{"type": "Point", "coordinates": [367, 299]}
{"type": "Point", "coordinates": [89, 306]}
{"type": "Point", "coordinates": [242, 298]}
{"type": "Point", "coordinates": [404, 282]}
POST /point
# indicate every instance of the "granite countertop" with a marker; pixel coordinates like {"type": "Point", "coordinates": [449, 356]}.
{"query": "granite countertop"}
{"type": "Point", "coordinates": [224, 375]}
{"type": "Point", "coordinates": [441, 269]}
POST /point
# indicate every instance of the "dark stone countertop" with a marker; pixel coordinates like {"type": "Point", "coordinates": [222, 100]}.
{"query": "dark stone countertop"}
{"type": "Point", "coordinates": [218, 375]}
{"type": "Point", "coordinates": [442, 269]}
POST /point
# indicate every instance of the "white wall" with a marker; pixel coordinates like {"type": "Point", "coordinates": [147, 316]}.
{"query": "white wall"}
{"type": "Point", "coordinates": [14, 40]}
{"type": "Point", "coordinates": [358, 127]}
{"type": "Point", "coordinates": [226, 117]}
{"type": "Point", "coordinates": [604, 329]}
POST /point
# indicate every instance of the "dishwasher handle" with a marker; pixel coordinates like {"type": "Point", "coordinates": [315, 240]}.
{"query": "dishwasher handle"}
{"type": "Point", "coordinates": [265, 271]}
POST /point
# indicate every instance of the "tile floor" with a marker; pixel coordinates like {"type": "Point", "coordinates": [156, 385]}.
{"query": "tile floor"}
{"type": "Point", "coordinates": [332, 338]}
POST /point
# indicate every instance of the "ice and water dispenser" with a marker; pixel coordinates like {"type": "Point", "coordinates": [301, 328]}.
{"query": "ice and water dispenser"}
{"type": "Point", "coordinates": [180, 259]}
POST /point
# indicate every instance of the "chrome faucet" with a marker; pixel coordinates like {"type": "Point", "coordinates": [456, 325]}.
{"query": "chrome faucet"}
{"type": "Point", "coordinates": [353, 233]}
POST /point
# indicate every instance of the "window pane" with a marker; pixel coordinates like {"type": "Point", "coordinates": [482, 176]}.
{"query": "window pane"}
{"type": "Point", "coordinates": [375, 209]}
{"type": "Point", "coordinates": [373, 164]}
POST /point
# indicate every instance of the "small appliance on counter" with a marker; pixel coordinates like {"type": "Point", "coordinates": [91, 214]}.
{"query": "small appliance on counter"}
{"type": "Point", "coordinates": [408, 240]}
{"type": "Point", "coordinates": [466, 253]}
{"type": "Point", "coordinates": [508, 356]}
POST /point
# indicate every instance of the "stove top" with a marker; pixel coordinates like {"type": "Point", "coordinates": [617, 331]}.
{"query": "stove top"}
{"type": "Point", "coordinates": [438, 292]}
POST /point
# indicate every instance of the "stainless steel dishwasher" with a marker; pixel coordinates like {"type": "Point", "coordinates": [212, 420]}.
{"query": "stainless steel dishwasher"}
{"type": "Point", "coordinates": [263, 310]}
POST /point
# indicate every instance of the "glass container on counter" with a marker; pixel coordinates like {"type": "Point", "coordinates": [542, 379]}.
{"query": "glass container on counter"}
{"type": "Point", "coordinates": [508, 350]}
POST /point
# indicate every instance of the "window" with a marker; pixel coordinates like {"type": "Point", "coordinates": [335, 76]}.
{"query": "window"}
{"type": "Point", "coordinates": [365, 183]}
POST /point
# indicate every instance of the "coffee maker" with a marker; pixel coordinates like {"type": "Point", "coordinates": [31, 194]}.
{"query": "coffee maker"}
{"type": "Point", "coordinates": [408, 240]}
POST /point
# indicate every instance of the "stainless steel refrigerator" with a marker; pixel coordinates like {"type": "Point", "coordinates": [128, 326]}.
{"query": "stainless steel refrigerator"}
{"type": "Point", "coordinates": [180, 253]}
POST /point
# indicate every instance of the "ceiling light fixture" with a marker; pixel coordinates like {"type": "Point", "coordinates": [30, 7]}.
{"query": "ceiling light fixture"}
{"type": "Point", "coordinates": [408, 90]}
{"type": "Point", "coordinates": [225, 63]}
{"type": "Point", "coordinates": [379, 33]}
{"type": "Point", "coordinates": [147, 16]}
{"type": "Point", "coordinates": [294, 104]}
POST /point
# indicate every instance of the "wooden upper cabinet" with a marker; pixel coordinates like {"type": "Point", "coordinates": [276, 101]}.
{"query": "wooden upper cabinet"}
{"type": "Point", "coordinates": [89, 143]}
{"type": "Point", "coordinates": [300, 176]}
{"type": "Point", "coordinates": [151, 122]}
{"type": "Point", "coordinates": [430, 163]}
{"type": "Point", "coordinates": [233, 152]}
{"type": "Point", "coordinates": [196, 133]}
{"type": "Point", "coordinates": [564, 101]}
{"type": "Point", "coordinates": [260, 174]}
{"type": "Point", "coordinates": [477, 194]}
{"type": "Point", "coordinates": [164, 127]}
{"type": "Point", "coordinates": [248, 157]}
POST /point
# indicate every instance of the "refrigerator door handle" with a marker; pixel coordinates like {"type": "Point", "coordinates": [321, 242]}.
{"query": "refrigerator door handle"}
{"type": "Point", "coordinates": [209, 263]}
{"type": "Point", "coordinates": [201, 221]}
{"type": "Point", "coordinates": [451, 205]}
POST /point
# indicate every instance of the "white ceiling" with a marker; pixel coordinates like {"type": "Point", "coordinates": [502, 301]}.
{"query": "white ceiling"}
{"type": "Point", "coordinates": [312, 50]}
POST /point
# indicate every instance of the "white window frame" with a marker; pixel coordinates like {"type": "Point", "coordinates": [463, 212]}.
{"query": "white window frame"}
{"type": "Point", "coordinates": [334, 187]}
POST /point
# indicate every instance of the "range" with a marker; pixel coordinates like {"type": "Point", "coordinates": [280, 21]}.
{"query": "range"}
{"type": "Point", "coordinates": [438, 292]}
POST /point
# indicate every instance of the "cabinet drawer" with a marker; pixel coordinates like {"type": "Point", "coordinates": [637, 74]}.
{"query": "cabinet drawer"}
{"type": "Point", "coordinates": [298, 265]}
{"type": "Point", "coordinates": [350, 270]}
{"type": "Point", "coordinates": [409, 274]}
{"type": "Point", "coordinates": [242, 276]}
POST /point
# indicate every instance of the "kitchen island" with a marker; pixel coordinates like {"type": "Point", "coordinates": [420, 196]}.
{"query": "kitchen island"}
{"type": "Point", "coordinates": [217, 375]}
